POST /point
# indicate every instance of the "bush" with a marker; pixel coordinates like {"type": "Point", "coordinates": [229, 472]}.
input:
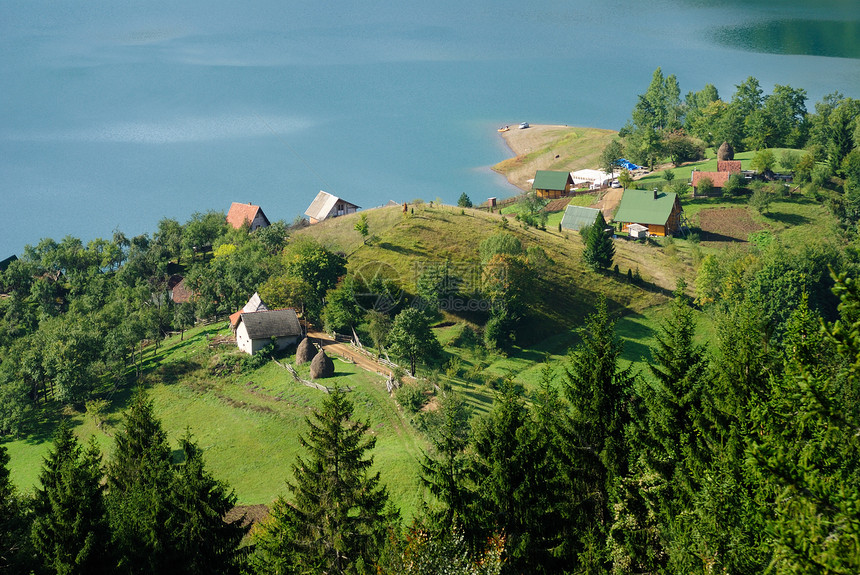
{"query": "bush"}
{"type": "Point", "coordinates": [410, 397]}
{"type": "Point", "coordinates": [734, 186]}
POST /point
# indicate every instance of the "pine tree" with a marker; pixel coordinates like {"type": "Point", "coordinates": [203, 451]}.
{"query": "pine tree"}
{"type": "Point", "coordinates": [599, 392]}
{"type": "Point", "coordinates": [204, 543]}
{"type": "Point", "coordinates": [139, 482]}
{"type": "Point", "coordinates": [599, 249]}
{"type": "Point", "coordinates": [338, 516]}
{"type": "Point", "coordinates": [445, 471]}
{"type": "Point", "coordinates": [70, 530]}
{"type": "Point", "coordinates": [515, 491]}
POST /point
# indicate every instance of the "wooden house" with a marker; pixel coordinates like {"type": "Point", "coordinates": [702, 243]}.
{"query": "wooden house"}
{"type": "Point", "coordinates": [327, 206]}
{"type": "Point", "coordinates": [256, 330]}
{"type": "Point", "coordinates": [241, 213]}
{"type": "Point", "coordinates": [551, 185]}
{"type": "Point", "coordinates": [659, 211]}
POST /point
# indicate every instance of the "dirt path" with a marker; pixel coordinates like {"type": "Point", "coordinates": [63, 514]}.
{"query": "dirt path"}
{"type": "Point", "coordinates": [348, 352]}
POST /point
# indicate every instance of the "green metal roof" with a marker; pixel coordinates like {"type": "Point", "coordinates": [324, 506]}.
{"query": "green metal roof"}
{"type": "Point", "coordinates": [550, 180]}
{"type": "Point", "coordinates": [641, 207]}
{"type": "Point", "coordinates": [577, 217]}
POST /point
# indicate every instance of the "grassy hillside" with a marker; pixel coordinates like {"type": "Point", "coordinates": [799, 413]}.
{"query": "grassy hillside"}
{"type": "Point", "coordinates": [246, 423]}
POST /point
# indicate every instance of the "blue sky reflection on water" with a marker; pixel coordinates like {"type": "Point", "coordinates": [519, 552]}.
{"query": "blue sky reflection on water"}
{"type": "Point", "coordinates": [116, 115]}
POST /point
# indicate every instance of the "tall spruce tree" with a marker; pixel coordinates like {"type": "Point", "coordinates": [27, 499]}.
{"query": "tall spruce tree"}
{"type": "Point", "coordinates": [599, 392]}
{"type": "Point", "coordinates": [338, 516]}
{"type": "Point", "coordinates": [139, 483]}
{"type": "Point", "coordinates": [70, 531]}
{"type": "Point", "coordinates": [599, 249]}
{"type": "Point", "coordinates": [204, 542]}
{"type": "Point", "coordinates": [516, 491]}
{"type": "Point", "coordinates": [444, 472]}
{"type": "Point", "coordinates": [809, 454]}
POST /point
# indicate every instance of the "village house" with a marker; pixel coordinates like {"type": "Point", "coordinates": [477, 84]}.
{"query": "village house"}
{"type": "Point", "coordinates": [255, 303]}
{"type": "Point", "coordinates": [594, 179]}
{"type": "Point", "coordinates": [241, 213]}
{"type": "Point", "coordinates": [326, 206]}
{"type": "Point", "coordinates": [659, 211]}
{"type": "Point", "coordinates": [255, 330]}
{"type": "Point", "coordinates": [551, 185]}
{"type": "Point", "coordinates": [718, 181]}
{"type": "Point", "coordinates": [577, 217]}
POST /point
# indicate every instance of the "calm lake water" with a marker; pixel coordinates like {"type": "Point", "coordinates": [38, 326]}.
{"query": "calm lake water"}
{"type": "Point", "coordinates": [115, 115]}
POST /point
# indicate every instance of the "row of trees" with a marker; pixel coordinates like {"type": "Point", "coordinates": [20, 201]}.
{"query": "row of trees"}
{"type": "Point", "coordinates": [142, 512]}
{"type": "Point", "coordinates": [663, 125]}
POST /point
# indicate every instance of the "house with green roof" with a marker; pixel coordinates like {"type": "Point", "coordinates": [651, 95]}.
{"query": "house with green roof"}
{"type": "Point", "coordinates": [577, 217]}
{"type": "Point", "coordinates": [659, 211]}
{"type": "Point", "coordinates": [551, 185]}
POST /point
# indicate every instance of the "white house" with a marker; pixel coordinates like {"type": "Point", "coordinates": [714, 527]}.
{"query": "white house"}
{"type": "Point", "coordinates": [257, 328]}
{"type": "Point", "coordinates": [594, 178]}
{"type": "Point", "coordinates": [326, 206]}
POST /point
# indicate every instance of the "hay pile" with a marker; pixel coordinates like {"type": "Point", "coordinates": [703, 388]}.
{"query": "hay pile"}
{"type": "Point", "coordinates": [322, 366]}
{"type": "Point", "coordinates": [305, 352]}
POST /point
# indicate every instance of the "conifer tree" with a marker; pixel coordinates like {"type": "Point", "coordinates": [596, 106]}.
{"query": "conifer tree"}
{"type": "Point", "coordinates": [445, 471]}
{"type": "Point", "coordinates": [515, 490]}
{"type": "Point", "coordinates": [338, 516]}
{"type": "Point", "coordinates": [139, 481]}
{"type": "Point", "coordinates": [599, 392]}
{"type": "Point", "coordinates": [204, 542]}
{"type": "Point", "coordinates": [70, 531]}
{"type": "Point", "coordinates": [599, 249]}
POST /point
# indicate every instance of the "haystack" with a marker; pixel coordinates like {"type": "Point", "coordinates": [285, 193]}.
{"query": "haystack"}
{"type": "Point", "coordinates": [322, 366]}
{"type": "Point", "coordinates": [305, 352]}
{"type": "Point", "coordinates": [726, 152]}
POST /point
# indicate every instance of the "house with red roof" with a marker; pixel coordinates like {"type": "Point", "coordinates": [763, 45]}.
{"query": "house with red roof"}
{"type": "Point", "coordinates": [241, 213]}
{"type": "Point", "coordinates": [717, 179]}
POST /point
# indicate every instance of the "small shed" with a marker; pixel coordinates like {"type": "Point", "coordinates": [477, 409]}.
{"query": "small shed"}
{"type": "Point", "coordinates": [241, 213]}
{"type": "Point", "coordinates": [577, 217]}
{"type": "Point", "coordinates": [551, 185]}
{"type": "Point", "coordinates": [637, 231]}
{"type": "Point", "coordinates": [326, 205]}
{"type": "Point", "coordinates": [256, 329]}
{"type": "Point", "coordinates": [659, 211]}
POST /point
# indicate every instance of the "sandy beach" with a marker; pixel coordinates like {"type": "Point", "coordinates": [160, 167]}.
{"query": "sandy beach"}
{"type": "Point", "coordinates": [550, 147]}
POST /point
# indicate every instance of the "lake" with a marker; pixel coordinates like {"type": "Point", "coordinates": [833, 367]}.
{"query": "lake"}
{"type": "Point", "coordinates": [115, 115]}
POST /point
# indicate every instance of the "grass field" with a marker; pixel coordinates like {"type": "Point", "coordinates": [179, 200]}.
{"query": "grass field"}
{"type": "Point", "coordinates": [247, 423]}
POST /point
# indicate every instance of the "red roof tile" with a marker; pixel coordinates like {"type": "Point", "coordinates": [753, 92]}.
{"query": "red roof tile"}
{"type": "Point", "coordinates": [731, 166]}
{"type": "Point", "coordinates": [239, 213]}
{"type": "Point", "coordinates": [719, 179]}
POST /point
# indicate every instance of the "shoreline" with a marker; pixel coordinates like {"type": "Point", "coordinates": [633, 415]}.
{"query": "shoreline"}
{"type": "Point", "coordinates": [550, 147]}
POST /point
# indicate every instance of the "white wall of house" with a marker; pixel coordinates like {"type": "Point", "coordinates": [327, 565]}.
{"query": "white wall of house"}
{"type": "Point", "coordinates": [252, 346]}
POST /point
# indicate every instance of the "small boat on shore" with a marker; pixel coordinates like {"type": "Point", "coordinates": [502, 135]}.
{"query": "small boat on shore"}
{"type": "Point", "coordinates": [504, 128]}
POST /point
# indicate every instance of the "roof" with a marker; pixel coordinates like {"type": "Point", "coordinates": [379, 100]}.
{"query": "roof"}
{"type": "Point", "coordinates": [240, 213]}
{"type": "Point", "coordinates": [255, 303]}
{"type": "Point", "coordinates": [181, 292]}
{"type": "Point", "coordinates": [733, 166]}
{"type": "Point", "coordinates": [5, 263]}
{"type": "Point", "coordinates": [550, 180]}
{"type": "Point", "coordinates": [578, 217]}
{"type": "Point", "coordinates": [591, 176]}
{"type": "Point", "coordinates": [645, 207]}
{"type": "Point", "coordinates": [322, 205]}
{"type": "Point", "coordinates": [719, 179]}
{"type": "Point", "coordinates": [271, 323]}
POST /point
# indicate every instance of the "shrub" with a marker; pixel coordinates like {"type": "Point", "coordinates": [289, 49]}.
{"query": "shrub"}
{"type": "Point", "coordinates": [410, 397]}
{"type": "Point", "coordinates": [734, 186]}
